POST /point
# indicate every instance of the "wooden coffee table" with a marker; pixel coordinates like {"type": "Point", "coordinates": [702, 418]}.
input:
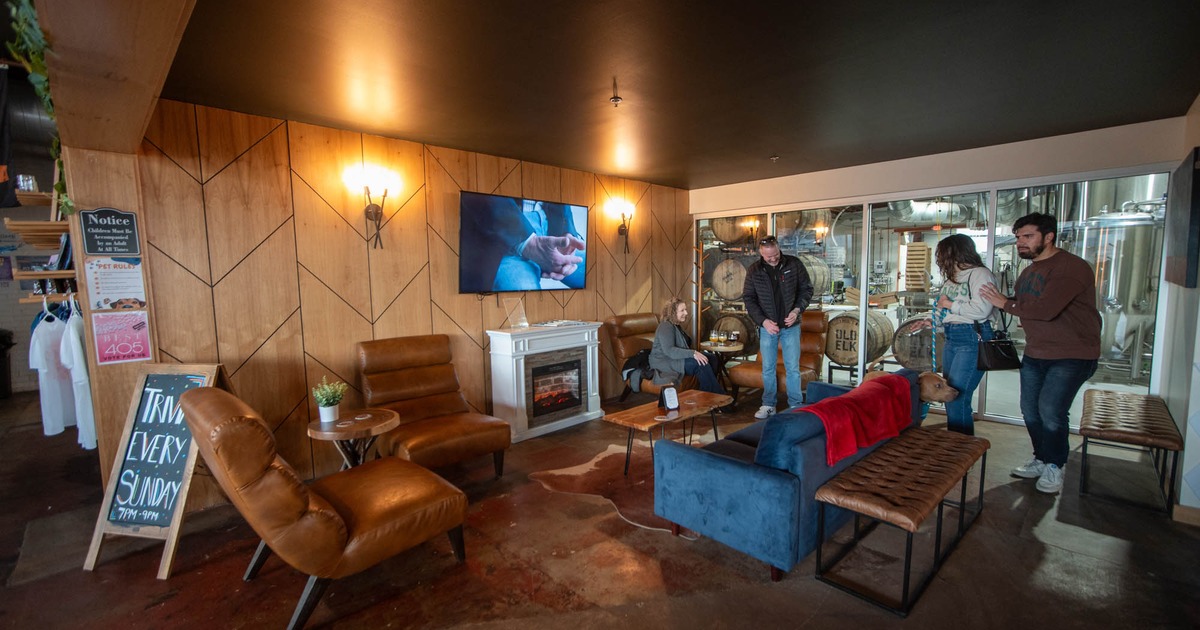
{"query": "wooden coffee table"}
{"type": "Point", "coordinates": [649, 417]}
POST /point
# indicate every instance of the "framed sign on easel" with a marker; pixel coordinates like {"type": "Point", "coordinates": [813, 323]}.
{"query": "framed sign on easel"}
{"type": "Point", "coordinates": [152, 472]}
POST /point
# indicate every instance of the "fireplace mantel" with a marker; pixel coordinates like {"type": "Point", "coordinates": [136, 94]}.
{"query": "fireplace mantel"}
{"type": "Point", "coordinates": [514, 350]}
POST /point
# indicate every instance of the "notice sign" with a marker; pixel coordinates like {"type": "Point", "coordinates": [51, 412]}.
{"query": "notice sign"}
{"type": "Point", "coordinates": [121, 337]}
{"type": "Point", "coordinates": [152, 467]}
{"type": "Point", "coordinates": [115, 283]}
{"type": "Point", "coordinates": [109, 232]}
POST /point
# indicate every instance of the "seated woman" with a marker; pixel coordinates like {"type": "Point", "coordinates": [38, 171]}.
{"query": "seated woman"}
{"type": "Point", "coordinates": [672, 355]}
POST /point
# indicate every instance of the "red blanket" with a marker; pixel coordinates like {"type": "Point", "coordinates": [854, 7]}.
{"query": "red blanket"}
{"type": "Point", "coordinates": [873, 411]}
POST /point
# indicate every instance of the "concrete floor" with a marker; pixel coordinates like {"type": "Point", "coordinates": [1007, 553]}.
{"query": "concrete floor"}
{"type": "Point", "coordinates": [541, 559]}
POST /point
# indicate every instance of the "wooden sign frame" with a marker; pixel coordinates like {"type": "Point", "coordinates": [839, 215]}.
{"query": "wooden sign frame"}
{"type": "Point", "coordinates": [214, 376]}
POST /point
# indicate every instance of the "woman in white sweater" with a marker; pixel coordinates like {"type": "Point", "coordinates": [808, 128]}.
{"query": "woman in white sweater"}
{"type": "Point", "coordinates": [960, 308]}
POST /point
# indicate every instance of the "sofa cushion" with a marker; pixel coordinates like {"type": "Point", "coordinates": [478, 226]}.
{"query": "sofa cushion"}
{"type": "Point", "coordinates": [731, 448]}
{"type": "Point", "coordinates": [750, 435]}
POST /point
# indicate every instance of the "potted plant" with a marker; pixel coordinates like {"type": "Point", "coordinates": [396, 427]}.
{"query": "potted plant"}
{"type": "Point", "coordinates": [328, 396]}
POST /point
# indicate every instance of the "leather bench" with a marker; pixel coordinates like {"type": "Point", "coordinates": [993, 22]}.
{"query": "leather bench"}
{"type": "Point", "coordinates": [1135, 422]}
{"type": "Point", "coordinates": [901, 483]}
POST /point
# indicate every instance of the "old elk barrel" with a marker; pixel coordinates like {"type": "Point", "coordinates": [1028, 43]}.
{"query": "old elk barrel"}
{"type": "Point", "coordinates": [739, 322]}
{"type": "Point", "coordinates": [728, 279]}
{"type": "Point", "coordinates": [841, 342]}
{"type": "Point", "coordinates": [913, 344]}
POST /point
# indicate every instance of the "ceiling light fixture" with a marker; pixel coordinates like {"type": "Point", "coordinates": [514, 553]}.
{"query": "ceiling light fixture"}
{"type": "Point", "coordinates": [774, 158]}
{"type": "Point", "coordinates": [616, 99]}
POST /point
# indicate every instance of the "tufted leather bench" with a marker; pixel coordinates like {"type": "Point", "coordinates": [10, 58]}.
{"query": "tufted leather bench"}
{"type": "Point", "coordinates": [901, 483]}
{"type": "Point", "coordinates": [1136, 422]}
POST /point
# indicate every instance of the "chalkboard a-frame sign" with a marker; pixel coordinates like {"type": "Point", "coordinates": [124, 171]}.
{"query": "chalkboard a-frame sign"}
{"type": "Point", "coordinates": [148, 486]}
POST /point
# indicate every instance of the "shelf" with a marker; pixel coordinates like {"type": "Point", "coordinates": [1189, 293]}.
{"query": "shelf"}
{"type": "Point", "coordinates": [52, 297]}
{"type": "Point", "coordinates": [39, 234]}
{"type": "Point", "coordinates": [43, 275]}
{"type": "Point", "coordinates": [34, 198]}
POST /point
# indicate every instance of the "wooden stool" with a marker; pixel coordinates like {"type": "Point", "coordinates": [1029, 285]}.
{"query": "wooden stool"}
{"type": "Point", "coordinates": [1121, 419]}
{"type": "Point", "coordinates": [900, 484]}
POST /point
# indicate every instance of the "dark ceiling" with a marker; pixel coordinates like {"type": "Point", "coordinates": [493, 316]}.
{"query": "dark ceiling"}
{"type": "Point", "coordinates": [711, 90]}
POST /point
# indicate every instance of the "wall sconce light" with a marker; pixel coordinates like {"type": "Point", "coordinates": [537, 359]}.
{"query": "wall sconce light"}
{"type": "Point", "coordinates": [619, 207]}
{"type": "Point", "coordinates": [366, 177]}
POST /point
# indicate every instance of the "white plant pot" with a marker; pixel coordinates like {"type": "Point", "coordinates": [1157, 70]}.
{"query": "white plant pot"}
{"type": "Point", "coordinates": [329, 415]}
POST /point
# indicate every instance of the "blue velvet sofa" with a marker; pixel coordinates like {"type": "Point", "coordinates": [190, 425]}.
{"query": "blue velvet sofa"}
{"type": "Point", "coordinates": [754, 489]}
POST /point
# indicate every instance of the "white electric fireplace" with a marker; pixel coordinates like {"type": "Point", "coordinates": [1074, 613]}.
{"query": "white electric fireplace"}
{"type": "Point", "coordinates": [545, 378]}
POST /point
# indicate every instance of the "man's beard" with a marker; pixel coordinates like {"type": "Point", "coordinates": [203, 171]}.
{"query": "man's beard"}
{"type": "Point", "coordinates": [1031, 254]}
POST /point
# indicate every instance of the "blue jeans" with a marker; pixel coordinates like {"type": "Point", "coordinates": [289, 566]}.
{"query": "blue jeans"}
{"type": "Point", "coordinates": [768, 351]}
{"type": "Point", "coordinates": [1048, 386]}
{"type": "Point", "coordinates": [705, 374]}
{"type": "Point", "coordinates": [958, 366]}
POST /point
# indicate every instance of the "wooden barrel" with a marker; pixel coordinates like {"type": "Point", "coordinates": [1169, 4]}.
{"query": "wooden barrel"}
{"type": "Point", "coordinates": [913, 344]}
{"type": "Point", "coordinates": [818, 274]}
{"type": "Point", "coordinates": [788, 224]}
{"type": "Point", "coordinates": [728, 279]}
{"type": "Point", "coordinates": [739, 322]}
{"type": "Point", "coordinates": [730, 230]}
{"type": "Point", "coordinates": [841, 341]}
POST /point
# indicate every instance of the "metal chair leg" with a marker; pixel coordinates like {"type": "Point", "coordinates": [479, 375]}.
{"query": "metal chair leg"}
{"type": "Point", "coordinates": [313, 591]}
{"type": "Point", "coordinates": [256, 562]}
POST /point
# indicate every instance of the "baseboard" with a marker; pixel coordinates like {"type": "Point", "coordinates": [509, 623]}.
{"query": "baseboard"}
{"type": "Point", "coordinates": [1187, 514]}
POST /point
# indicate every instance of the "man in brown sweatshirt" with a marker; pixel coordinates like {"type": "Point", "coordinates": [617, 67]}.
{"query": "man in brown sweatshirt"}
{"type": "Point", "coordinates": [1055, 297]}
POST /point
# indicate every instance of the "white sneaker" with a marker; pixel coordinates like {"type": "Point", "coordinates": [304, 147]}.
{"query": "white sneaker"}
{"type": "Point", "coordinates": [765, 411]}
{"type": "Point", "coordinates": [1051, 481]}
{"type": "Point", "coordinates": [1032, 469]}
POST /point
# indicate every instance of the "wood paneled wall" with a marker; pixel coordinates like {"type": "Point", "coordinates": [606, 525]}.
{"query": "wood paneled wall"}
{"type": "Point", "coordinates": [259, 256]}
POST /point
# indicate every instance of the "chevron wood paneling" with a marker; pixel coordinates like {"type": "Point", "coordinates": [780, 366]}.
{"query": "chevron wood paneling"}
{"type": "Point", "coordinates": [320, 156]}
{"type": "Point", "coordinates": [330, 249]}
{"type": "Point", "coordinates": [244, 325]}
{"type": "Point", "coordinates": [174, 210]}
{"type": "Point", "coordinates": [331, 328]}
{"type": "Point", "coordinates": [497, 176]}
{"type": "Point", "coordinates": [402, 256]}
{"type": "Point", "coordinates": [172, 129]}
{"type": "Point", "coordinates": [272, 378]}
{"type": "Point", "coordinates": [224, 135]}
{"type": "Point", "coordinates": [183, 311]}
{"type": "Point", "coordinates": [409, 314]}
{"type": "Point", "coordinates": [247, 201]}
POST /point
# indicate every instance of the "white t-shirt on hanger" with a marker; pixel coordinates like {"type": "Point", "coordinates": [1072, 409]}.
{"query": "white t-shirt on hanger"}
{"type": "Point", "coordinates": [74, 358]}
{"type": "Point", "coordinates": [54, 379]}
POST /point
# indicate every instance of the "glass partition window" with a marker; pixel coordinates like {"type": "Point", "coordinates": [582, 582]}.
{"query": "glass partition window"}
{"type": "Point", "coordinates": [1116, 225]}
{"type": "Point", "coordinates": [727, 245]}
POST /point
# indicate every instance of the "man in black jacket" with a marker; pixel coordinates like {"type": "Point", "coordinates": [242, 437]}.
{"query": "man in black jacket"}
{"type": "Point", "coordinates": [776, 292]}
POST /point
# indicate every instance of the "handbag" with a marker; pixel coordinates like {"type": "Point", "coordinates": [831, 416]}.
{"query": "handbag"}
{"type": "Point", "coordinates": [999, 353]}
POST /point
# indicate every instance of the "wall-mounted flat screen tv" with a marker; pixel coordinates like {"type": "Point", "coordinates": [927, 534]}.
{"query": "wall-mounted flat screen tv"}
{"type": "Point", "coordinates": [514, 244]}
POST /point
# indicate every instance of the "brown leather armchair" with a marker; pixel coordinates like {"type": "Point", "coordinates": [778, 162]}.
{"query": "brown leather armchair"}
{"type": "Point", "coordinates": [630, 334]}
{"type": "Point", "coordinates": [414, 377]}
{"type": "Point", "coordinates": [338, 525]}
{"type": "Point", "coordinates": [813, 327]}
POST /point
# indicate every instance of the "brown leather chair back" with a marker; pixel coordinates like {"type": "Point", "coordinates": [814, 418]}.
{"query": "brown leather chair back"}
{"type": "Point", "coordinates": [300, 526]}
{"type": "Point", "coordinates": [412, 376]}
{"type": "Point", "coordinates": [814, 325]}
{"type": "Point", "coordinates": [629, 334]}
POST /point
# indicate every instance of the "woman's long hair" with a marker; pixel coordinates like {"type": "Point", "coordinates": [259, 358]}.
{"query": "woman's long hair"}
{"type": "Point", "coordinates": [669, 308]}
{"type": "Point", "coordinates": [955, 252]}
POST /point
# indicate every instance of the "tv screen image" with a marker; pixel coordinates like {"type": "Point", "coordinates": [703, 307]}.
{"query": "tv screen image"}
{"type": "Point", "coordinates": [514, 244]}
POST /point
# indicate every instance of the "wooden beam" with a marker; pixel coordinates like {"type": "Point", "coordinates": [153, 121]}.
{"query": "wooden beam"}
{"type": "Point", "coordinates": [108, 63]}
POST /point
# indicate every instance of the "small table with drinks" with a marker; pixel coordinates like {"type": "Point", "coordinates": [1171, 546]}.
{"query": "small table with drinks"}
{"type": "Point", "coordinates": [720, 343]}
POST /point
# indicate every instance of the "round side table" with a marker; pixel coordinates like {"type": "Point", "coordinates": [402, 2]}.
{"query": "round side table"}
{"type": "Point", "coordinates": [354, 432]}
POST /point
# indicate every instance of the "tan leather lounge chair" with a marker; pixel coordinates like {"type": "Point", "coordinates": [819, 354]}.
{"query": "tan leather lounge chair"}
{"type": "Point", "coordinates": [414, 376]}
{"type": "Point", "coordinates": [338, 525]}
{"type": "Point", "coordinates": [629, 334]}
